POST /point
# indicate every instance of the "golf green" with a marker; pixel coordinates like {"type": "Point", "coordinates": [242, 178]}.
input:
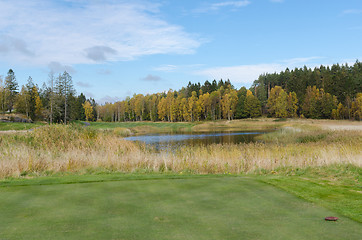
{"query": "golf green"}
{"type": "Point", "coordinates": [165, 208]}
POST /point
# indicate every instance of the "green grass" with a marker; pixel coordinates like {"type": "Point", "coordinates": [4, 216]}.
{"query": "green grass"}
{"type": "Point", "coordinates": [161, 207]}
{"type": "Point", "coordinates": [145, 126]}
{"type": "Point", "coordinates": [6, 126]}
{"type": "Point", "coordinates": [338, 188]}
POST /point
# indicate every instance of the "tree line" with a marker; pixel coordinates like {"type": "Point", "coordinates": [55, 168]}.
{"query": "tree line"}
{"type": "Point", "coordinates": [342, 81]}
{"type": "Point", "coordinates": [55, 102]}
{"type": "Point", "coordinates": [322, 93]}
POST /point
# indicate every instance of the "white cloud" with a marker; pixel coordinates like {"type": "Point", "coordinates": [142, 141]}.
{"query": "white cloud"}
{"type": "Point", "coordinates": [12, 44]}
{"type": "Point", "coordinates": [104, 71]}
{"type": "Point", "coordinates": [151, 78]}
{"type": "Point", "coordinates": [177, 68]}
{"type": "Point", "coordinates": [352, 11]}
{"type": "Point", "coordinates": [56, 67]}
{"type": "Point", "coordinates": [108, 99]}
{"type": "Point", "coordinates": [299, 61]}
{"type": "Point", "coordinates": [84, 84]}
{"type": "Point", "coordinates": [88, 94]}
{"type": "Point", "coordinates": [100, 53]}
{"type": "Point", "coordinates": [83, 32]}
{"type": "Point", "coordinates": [219, 5]}
{"type": "Point", "coordinates": [246, 74]}
{"type": "Point", "coordinates": [236, 4]}
{"type": "Point", "coordinates": [166, 68]}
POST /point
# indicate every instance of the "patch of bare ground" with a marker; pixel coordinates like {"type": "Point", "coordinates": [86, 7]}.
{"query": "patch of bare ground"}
{"type": "Point", "coordinates": [339, 125]}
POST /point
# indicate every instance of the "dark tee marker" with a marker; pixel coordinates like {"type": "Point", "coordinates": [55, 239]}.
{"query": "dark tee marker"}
{"type": "Point", "coordinates": [331, 219]}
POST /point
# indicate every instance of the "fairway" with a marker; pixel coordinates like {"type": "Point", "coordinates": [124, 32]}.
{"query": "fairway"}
{"type": "Point", "coordinates": [163, 208]}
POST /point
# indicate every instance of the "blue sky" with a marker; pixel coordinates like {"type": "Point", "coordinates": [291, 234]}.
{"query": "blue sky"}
{"type": "Point", "coordinates": [114, 49]}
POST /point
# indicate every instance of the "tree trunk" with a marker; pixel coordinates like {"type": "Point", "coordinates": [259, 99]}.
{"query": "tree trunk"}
{"type": "Point", "coordinates": [65, 110]}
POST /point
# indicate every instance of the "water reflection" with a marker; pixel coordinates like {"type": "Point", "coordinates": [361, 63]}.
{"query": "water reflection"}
{"type": "Point", "coordinates": [167, 141]}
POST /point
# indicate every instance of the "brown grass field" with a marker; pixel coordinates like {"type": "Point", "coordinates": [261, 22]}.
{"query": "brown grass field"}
{"type": "Point", "coordinates": [75, 149]}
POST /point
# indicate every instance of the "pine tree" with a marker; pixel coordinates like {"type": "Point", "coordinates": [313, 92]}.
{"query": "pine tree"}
{"type": "Point", "coordinates": [64, 88]}
{"type": "Point", "coordinates": [11, 88]}
{"type": "Point", "coordinates": [329, 103]}
{"type": "Point", "coordinates": [240, 106]}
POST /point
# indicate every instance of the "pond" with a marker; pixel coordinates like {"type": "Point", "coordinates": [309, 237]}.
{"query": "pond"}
{"type": "Point", "coordinates": [173, 140]}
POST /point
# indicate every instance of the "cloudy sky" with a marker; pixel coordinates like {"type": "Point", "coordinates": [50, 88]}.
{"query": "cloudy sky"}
{"type": "Point", "coordinates": [113, 49]}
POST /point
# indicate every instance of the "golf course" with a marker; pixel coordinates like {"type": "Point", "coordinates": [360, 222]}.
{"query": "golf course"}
{"type": "Point", "coordinates": [163, 207]}
{"type": "Point", "coordinates": [180, 120]}
{"type": "Point", "coordinates": [88, 182]}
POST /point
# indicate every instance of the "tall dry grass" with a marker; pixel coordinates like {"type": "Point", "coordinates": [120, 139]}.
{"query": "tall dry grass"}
{"type": "Point", "coordinates": [58, 148]}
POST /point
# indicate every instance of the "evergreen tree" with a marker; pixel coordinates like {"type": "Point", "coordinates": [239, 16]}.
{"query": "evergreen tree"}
{"type": "Point", "coordinates": [64, 88]}
{"type": "Point", "coordinates": [328, 103]}
{"type": "Point", "coordinates": [11, 88]}
{"type": "Point", "coordinates": [33, 93]}
{"type": "Point", "coordinates": [240, 106]}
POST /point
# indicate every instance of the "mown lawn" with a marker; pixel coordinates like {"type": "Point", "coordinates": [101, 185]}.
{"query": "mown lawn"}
{"type": "Point", "coordinates": [6, 126]}
{"type": "Point", "coordinates": [162, 207]}
{"type": "Point", "coordinates": [144, 127]}
{"type": "Point", "coordinates": [332, 194]}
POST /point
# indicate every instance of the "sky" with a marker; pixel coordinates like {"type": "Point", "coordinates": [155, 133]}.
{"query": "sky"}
{"type": "Point", "coordinates": [115, 48]}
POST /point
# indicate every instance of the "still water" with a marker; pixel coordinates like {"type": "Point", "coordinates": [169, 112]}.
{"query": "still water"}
{"type": "Point", "coordinates": [172, 140]}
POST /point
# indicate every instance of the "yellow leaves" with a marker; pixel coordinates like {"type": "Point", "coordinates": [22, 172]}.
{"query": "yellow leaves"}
{"type": "Point", "coordinates": [280, 104]}
{"type": "Point", "coordinates": [249, 93]}
{"type": "Point", "coordinates": [38, 106]}
{"type": "Point", "coordinates": [88, 110]}
{"type": "Point", "coordinates": [357, 107]}
{"type": "Point", "coordinates": [162, 109]}
{"type": "Point", "coordinates": [228, 103]}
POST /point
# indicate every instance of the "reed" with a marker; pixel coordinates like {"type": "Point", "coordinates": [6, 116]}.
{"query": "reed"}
{"type": "Point", "coordinates": [75, 149]}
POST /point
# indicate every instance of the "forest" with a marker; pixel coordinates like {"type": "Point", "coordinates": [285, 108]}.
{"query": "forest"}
{"type": "Point", "coordinates": [54, 102]}
{"type": "Point", "coordinates": [321, 93]}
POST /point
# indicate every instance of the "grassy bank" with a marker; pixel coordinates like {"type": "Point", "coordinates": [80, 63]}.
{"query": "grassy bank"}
{"type": "Point", "coordinates": [126, 128]}
{"type": "Point", "coordinates": [8, 126]}
{"type": "Point", "coordinates": [79, 182]}
{"type": "Point", "coordinates": [162, 207]}
{"type": "Point", "coordinates": [338, 188]}
{"type": "Point", "coordinates": [206, 126]}
{"type": "Point", "coordinates": [74, 148]}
